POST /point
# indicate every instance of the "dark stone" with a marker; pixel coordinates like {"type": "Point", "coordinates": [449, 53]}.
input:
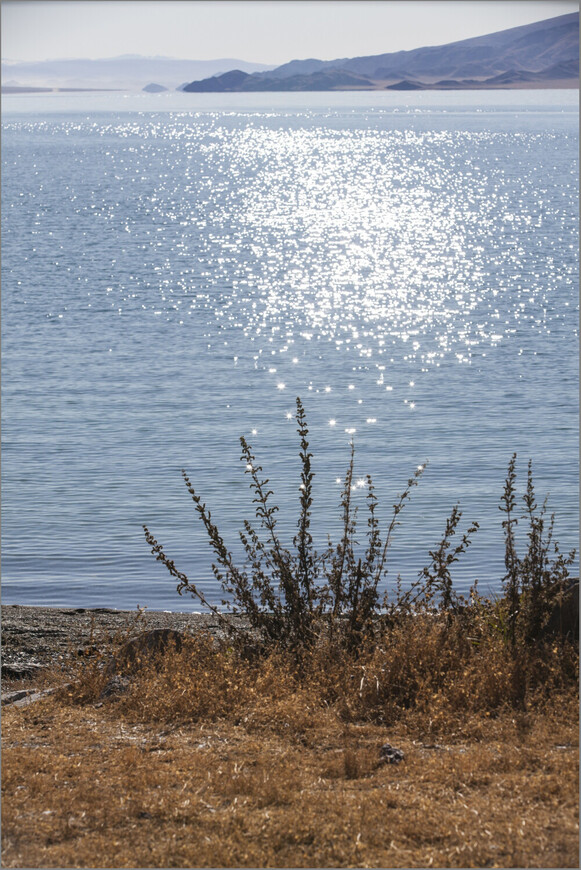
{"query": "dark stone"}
{"type": "Point", "coordinates": [390, 755]}
{"type": "Point", "coordinates": [116, 686]}
{"type": "Point", "coordinates": [87, 651]}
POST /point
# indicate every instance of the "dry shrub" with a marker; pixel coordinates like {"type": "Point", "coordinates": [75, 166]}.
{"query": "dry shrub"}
{"type": "Point", "coordinates": [294, 598]}
{"type": "Point", "coordinates": [435, 674]}
{"type": "Point", "coordinates": [425, 669]}
{"type": "Point", "coordinates": [200, 682]}
{"type": "Point", "coordinates": [329, 648]}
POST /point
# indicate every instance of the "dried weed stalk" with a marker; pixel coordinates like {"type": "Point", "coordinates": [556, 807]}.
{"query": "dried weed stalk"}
{"type": "Point", "coordinates": [294, 598]}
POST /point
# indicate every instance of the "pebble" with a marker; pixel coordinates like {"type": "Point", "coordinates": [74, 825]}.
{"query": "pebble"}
{"type": "Point", "coordinates": [390, 755]}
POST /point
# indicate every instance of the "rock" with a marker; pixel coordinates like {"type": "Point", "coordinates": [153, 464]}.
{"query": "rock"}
{"type": "Point", "coordinates": [143, 649]}
{"type": "Point", "coordinates": [26, 696]}
{"type": "Point", "coordinates": [389, 755]}
{"type": "Point", "coordinates": [12, 697]}
{"type": "Point", "coordinates": [116, 686]}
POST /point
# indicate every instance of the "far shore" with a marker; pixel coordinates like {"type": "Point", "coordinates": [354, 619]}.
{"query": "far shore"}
{"type": "Point", "coordinates": [558, 84]}
{"type": "Point", "coordinates": [16, 89]}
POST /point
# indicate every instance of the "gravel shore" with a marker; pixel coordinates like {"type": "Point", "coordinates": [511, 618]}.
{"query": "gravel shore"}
{"type": "Point", "coordinates": [35, 637]}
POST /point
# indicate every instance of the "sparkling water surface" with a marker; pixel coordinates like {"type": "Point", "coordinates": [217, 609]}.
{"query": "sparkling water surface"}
{"type": "Point", "coordinates": [177, 268]}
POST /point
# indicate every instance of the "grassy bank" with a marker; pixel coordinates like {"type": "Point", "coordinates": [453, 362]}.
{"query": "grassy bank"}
{"type": "Point", "coordinates": [217, 756]}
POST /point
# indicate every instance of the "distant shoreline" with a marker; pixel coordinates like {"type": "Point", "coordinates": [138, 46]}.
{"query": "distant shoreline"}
{"type": "Point", "coordinates": [567, 85]}
{"type": "Point", "coordinates": [17, 89]}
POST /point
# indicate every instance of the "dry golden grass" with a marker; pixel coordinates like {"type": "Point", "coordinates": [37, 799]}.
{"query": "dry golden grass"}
{"type": "Point", "coordinates": [218, 760]}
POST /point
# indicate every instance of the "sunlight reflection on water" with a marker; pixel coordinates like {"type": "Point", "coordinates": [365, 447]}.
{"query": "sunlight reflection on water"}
{"type": "Point", "coordinates": [173, 280]}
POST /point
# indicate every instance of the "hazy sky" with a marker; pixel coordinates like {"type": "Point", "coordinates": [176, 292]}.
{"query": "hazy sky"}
{"type": "Point", "coordinates": [264, 31]}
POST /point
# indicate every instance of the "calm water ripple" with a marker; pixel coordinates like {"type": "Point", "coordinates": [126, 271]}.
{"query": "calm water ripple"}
{"type": "Point", "coordinates": [176, 272]}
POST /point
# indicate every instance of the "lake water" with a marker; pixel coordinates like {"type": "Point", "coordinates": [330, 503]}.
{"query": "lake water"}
{"type": "Point", "coordinates": [178, 268]}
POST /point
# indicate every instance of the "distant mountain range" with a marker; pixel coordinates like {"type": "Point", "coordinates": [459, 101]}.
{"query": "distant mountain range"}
{"type": "Point", "coordinates": [128, 72]}
{"type": "Point", "coordinates": [544, 54]}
